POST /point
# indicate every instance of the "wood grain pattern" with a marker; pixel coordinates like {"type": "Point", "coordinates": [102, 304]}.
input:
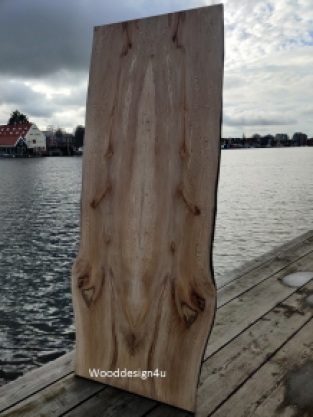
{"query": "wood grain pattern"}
{"type": "Point", "coordinates": [143, 286]}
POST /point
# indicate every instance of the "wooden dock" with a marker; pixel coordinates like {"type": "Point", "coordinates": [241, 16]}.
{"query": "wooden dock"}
{"type": "Point", "coordinates": [259, 360]}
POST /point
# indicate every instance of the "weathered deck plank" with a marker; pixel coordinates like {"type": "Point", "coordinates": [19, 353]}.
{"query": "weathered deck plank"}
{"type": "Point", "coordinates": [36, 380]}
{"type": "Point", "coordinates": [266, 258]}
{"type": "Point", "coordinates": [251, 399]}
{"type": "Point", "coordinates": [235, 363]}
{"type": "Point", "coordinates": [278, 402]}
{"type": "Point", "coordinates": [56, 399]}
{"type": "Point", "coordinates": [247, 281]}
{"type": "Point", "coordinates": [114, 402]}
{"type": "Point", "coordinates": [242, 312]}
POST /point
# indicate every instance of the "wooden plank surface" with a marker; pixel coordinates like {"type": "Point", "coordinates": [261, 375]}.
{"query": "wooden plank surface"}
{"type": "Point", "coordinates": [233, 365]}
{"type": "Point", "coordinates": [243, 311]}
{"type": "Point", "coordinates": [113, 402]}
{"type": "Point", "coordinates": [280, 261]}
{"type": "Point", "coordinates": [56, 399]}
{"type": "Point", "coordinates": [293, 396]}
{"type": "Point", "coordinates": [36, 380]}
{"type": "Point", "coordinates": [266, 258]}
{"type": "Point", "coordinates": [143, 287]}
{"type": "Point", "coordinates": [253, 398]}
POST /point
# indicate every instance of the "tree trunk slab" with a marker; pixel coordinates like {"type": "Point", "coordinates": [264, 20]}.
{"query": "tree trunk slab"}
{"type": "Point", "coordinates": [143, 287]}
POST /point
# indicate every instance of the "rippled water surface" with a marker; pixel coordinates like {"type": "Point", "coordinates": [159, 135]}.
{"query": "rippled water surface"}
{"type": "Point", "coordinates": [265, 198]}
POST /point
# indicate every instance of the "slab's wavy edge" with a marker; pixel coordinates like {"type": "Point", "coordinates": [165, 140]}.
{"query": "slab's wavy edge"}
{"type": "Point", "coordinates": [143, 282]}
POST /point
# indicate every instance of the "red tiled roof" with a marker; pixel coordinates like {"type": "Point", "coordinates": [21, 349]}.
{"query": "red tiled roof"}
{"type": "Point", "coordinates": [9, 134]}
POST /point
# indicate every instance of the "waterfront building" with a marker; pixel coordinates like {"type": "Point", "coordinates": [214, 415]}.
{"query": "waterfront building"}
{"type": "Point", "coordinates": [20, 139]}
{"type": "Point", "coordinates": [281, 139]}
{"type": "Point", "coordinates": [299, 139]}
{"type": "Point", "coordinates": [267, 141]}
{"type": "Point", "coordinates": [58, 145]}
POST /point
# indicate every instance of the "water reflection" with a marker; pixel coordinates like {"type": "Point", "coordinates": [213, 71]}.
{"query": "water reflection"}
{"type": "Point", "coordinates": [39, 221]}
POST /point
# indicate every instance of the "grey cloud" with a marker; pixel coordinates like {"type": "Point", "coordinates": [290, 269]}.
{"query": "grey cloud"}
{"type": "Point", "coordinates": [64, 77]}
{"type": "Point", "coordinates": [257, 121]}
{"type": "Point", "coordinates": [39, 38]}
{"type": "Point", "coordinates": [16, 95]}
{"type": "Point", "coordinates": [37, 110]}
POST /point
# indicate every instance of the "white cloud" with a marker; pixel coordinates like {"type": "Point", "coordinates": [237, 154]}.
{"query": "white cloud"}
{"type": "Point", "coordinates": [268, 59]}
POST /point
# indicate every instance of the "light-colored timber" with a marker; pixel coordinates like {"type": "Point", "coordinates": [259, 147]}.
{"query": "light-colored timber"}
{"type": "Point", "coordinates": [143, 287]}
{"type": "Point", "coordinates": [246, 374]}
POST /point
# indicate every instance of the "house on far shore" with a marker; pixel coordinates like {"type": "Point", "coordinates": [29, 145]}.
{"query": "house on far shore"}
{"type": "Point", "coordinates": [22, 139]}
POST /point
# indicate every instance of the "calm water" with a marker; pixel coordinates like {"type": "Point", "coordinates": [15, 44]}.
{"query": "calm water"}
{"type": "Point", "coordinates": [265, 199]}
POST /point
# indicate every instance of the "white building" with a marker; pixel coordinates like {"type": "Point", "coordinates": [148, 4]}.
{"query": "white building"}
{"type": "Point", "coordinates": [10, 136]}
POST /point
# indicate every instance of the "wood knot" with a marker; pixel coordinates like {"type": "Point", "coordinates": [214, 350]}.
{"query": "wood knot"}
{"type": "Point", "coordinates": [192, 207]}
{"type": "Point", "coordinates": [109, 153]}
{"type": "Point", "coordinates": [173, 247]}
{"type": "Point", "coordinates": [88, 295]}
{"type": "Point", "coordinates": [132, 342]}
{"type": "Point", "coordinates": [183, 153]}
{"type": "Point", "coordinates": [198, 301]}
{"type": "Point", "coordinates": [97, 200]}
{"type": "Point", "coordinates": [173, 288]}
{"type": "Point", "coordinates": [108, 240]}
{"type": "Point", "coordinates": [82, 281]}
{"type": "Point", "coordinates": [177, 23]}
{"type": "Point", "coordinates": [189, 315]}
{"type": "Point", "coordinates": [128, 42]}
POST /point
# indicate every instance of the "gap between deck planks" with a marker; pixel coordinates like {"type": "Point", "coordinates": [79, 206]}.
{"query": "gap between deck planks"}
{"type": "Point", "coordinates": [26, 386]}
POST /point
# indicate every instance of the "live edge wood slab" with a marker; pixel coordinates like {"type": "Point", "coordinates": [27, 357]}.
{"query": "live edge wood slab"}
{"type": "Point", "coordinates": [143, 287]}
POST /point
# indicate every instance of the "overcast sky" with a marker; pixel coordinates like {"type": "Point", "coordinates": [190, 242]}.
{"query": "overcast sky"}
{"type": "Point", "coordinates": [45, 52]}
